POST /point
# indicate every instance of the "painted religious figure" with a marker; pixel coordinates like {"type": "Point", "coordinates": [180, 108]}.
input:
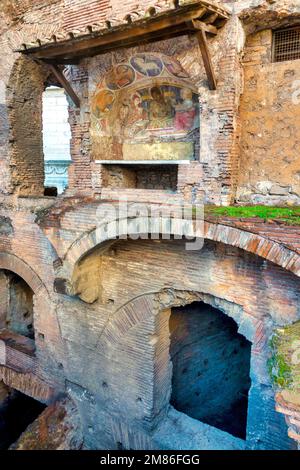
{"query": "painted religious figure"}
{"type": "Point", "coordinates": [185, 111]}
{"type": "Point", "coordinates": [143, 105]}
{"type": "Point", "coordinates": [160, 109]}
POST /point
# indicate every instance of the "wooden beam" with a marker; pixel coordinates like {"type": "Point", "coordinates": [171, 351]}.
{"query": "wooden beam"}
{"type": "Point", "coordinates": [179, 21]}
{"type": "Point", "coordinates": [147, 38]}
{"type": "Point", "coordinates": [208, 28]}
{"type": "Point", "coordinates": [202, 40]}
{"type": "Point", "coordinates": [64, 83]}
{"type": "Point", "coordinates": [211, 18]}
{"type": "Point", "coordinates": [130, 33]}
{"type": "Point", "coordinates": [72, 55]}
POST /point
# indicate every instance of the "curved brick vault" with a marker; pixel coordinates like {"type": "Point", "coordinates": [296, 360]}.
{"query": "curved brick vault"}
{"type": "Point", "coordinates": [18, 266]}
{"type": "Point", "coordinates": [18, 370]}
{"type": "Point", "coordinates": [150, 313]}
{"type": "Point", "coordinates": [139, 309]}
{"type": "Point", "coordinates": [254, 243]}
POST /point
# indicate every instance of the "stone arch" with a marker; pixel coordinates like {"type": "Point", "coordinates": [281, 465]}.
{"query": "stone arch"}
{"type": "Point", "coordinates": [139, 226]}
{"type": "Point", "coordinates": [144, 320]}
{"type": "Point", "coordinates": [48, 339]}
{"type": "Point", "coordinates": [14, 264]}
{"type": "Point", "coordinates": [135, 311]}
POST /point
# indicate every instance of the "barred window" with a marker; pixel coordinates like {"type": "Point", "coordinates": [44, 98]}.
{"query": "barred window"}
{"type": "Point", "coordinates": [286, 44]}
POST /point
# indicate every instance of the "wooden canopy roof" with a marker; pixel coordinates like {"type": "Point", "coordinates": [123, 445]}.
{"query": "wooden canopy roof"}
{"type": "Point", "coordinates": [132, 30]}
{"type": "Point", "coordinates": [184, 17]}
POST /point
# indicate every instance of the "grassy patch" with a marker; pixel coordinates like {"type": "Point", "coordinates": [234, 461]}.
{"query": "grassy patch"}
{"type": "Point", "coordinates": [289, 215]}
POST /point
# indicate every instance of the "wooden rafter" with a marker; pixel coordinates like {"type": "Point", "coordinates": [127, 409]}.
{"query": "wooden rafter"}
{"type": "Point", "coordinates": [201, 18]}
{"type": "Point", "coordinates": [202, 40]}
{"type": "Point", "coordinates": [65, 84]}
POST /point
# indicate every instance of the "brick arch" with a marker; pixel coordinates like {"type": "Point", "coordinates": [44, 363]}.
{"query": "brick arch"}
{"type": "Point", "coordinates": [141, 325]}
{"type": "Point", "coordinates": [144, 319]}
{"type": "Point", "coordinates": [18, 266]}
{"type": "Point", "coordinates": [247, 241]}
{"type": "Point", "coordinates": [142, 307]}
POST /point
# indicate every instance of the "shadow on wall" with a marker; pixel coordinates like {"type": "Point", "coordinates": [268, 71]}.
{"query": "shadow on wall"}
{"type": "Point", "coordinates": [17, 411]}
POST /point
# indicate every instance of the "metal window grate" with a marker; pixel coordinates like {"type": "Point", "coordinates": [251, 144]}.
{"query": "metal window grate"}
{"type": "Point", "coordinates": [286, 45]}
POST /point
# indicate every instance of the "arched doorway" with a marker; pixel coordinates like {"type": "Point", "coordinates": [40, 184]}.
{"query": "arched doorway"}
{"type": "Point", "coordinates": [211, 367]}
{"type": "Point", "coordinates": [17, 411]}
{"type": "Point", "coordinates": [16, 305]}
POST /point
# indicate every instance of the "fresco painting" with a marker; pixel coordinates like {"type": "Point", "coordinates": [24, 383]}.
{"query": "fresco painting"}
{"type": "Point", "coordinates": [141, 104]}
{"type": "Point", "coordinates": [147, 64]}
{"type": "Point", "coordinates": [120, 76]}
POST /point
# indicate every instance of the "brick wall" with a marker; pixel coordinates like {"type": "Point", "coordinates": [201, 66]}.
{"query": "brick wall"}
{"type": "Point", "coordinates": [269, 112]}
{"type": "Point", "coordinates": [128, 270]}
{"type": "Point", "coordinates": [4, 299]}
{"type": "Point", "coordinates": [88, 350]}
{"type": "Point", "coordinates": [80, 172]}
{"type": "Point", "coordinates": [218, 153]}
{"type": "Point", "coordinates": [25, 119]}
{"type": "Point", "coordinates": [80, 13]}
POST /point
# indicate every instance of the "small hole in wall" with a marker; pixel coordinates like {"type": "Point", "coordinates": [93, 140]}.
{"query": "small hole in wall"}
{"type": "Point", "coordinates": [139, 400]}
{"type": "Point", "coordinates": [41, 337]}
{"type": "Point", "coordinates": [119, 446]}
{"type": "Point", "coordinates": [110, 301]}
{"type": "Point", "coordinates": [60, 366]}
{"type": "Point", "coordinates": [50, 191]}
{"type": "Point", "coordinates": [104, 385]}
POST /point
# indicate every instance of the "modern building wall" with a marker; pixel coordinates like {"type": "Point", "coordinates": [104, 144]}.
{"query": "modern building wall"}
{"type": "Point", "coordinates": [56, 138]}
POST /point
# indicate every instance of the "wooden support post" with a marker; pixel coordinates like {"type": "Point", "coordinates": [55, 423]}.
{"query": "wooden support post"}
{"type": "Point", "coordinates": [211, 18]}
{"type": "Point", "coordinates": [202, 40]}
{"type": "Point", "coordinates": [64, 83]}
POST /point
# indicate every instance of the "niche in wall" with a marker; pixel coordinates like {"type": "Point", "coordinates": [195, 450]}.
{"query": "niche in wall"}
{"type": "Point", "coordinates": [161, 177]}
{"type": "Point", "coordinates": [16, 300]}
{"type": "Point", "coordinates": [145, 109]}
{"type": "Point", "coordinates": [211, 366]}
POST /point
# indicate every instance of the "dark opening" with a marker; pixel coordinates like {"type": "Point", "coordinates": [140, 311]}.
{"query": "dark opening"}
{"type": "Point", "coordinates": [159, 177]}
{"type": "Point", "coordinates": [17, 411]}
{"type": "Point", "coordinates": [16, 297]}
{"type": "Point", "coordinates": [211, 366]}
{"type": "Point", "coordinates": [50, 191]}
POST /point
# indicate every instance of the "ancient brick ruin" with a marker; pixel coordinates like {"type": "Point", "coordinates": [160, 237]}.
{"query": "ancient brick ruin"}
{"type": "Point", "coordinates": [120, 329]}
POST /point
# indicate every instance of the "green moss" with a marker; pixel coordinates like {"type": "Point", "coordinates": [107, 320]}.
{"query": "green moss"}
{"type": "Point", "coordinates": [288, 215]}
{"type": "Point", "coordinates": [280, 371]}
{"type": "Point", "coordinates": [284, 365]}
